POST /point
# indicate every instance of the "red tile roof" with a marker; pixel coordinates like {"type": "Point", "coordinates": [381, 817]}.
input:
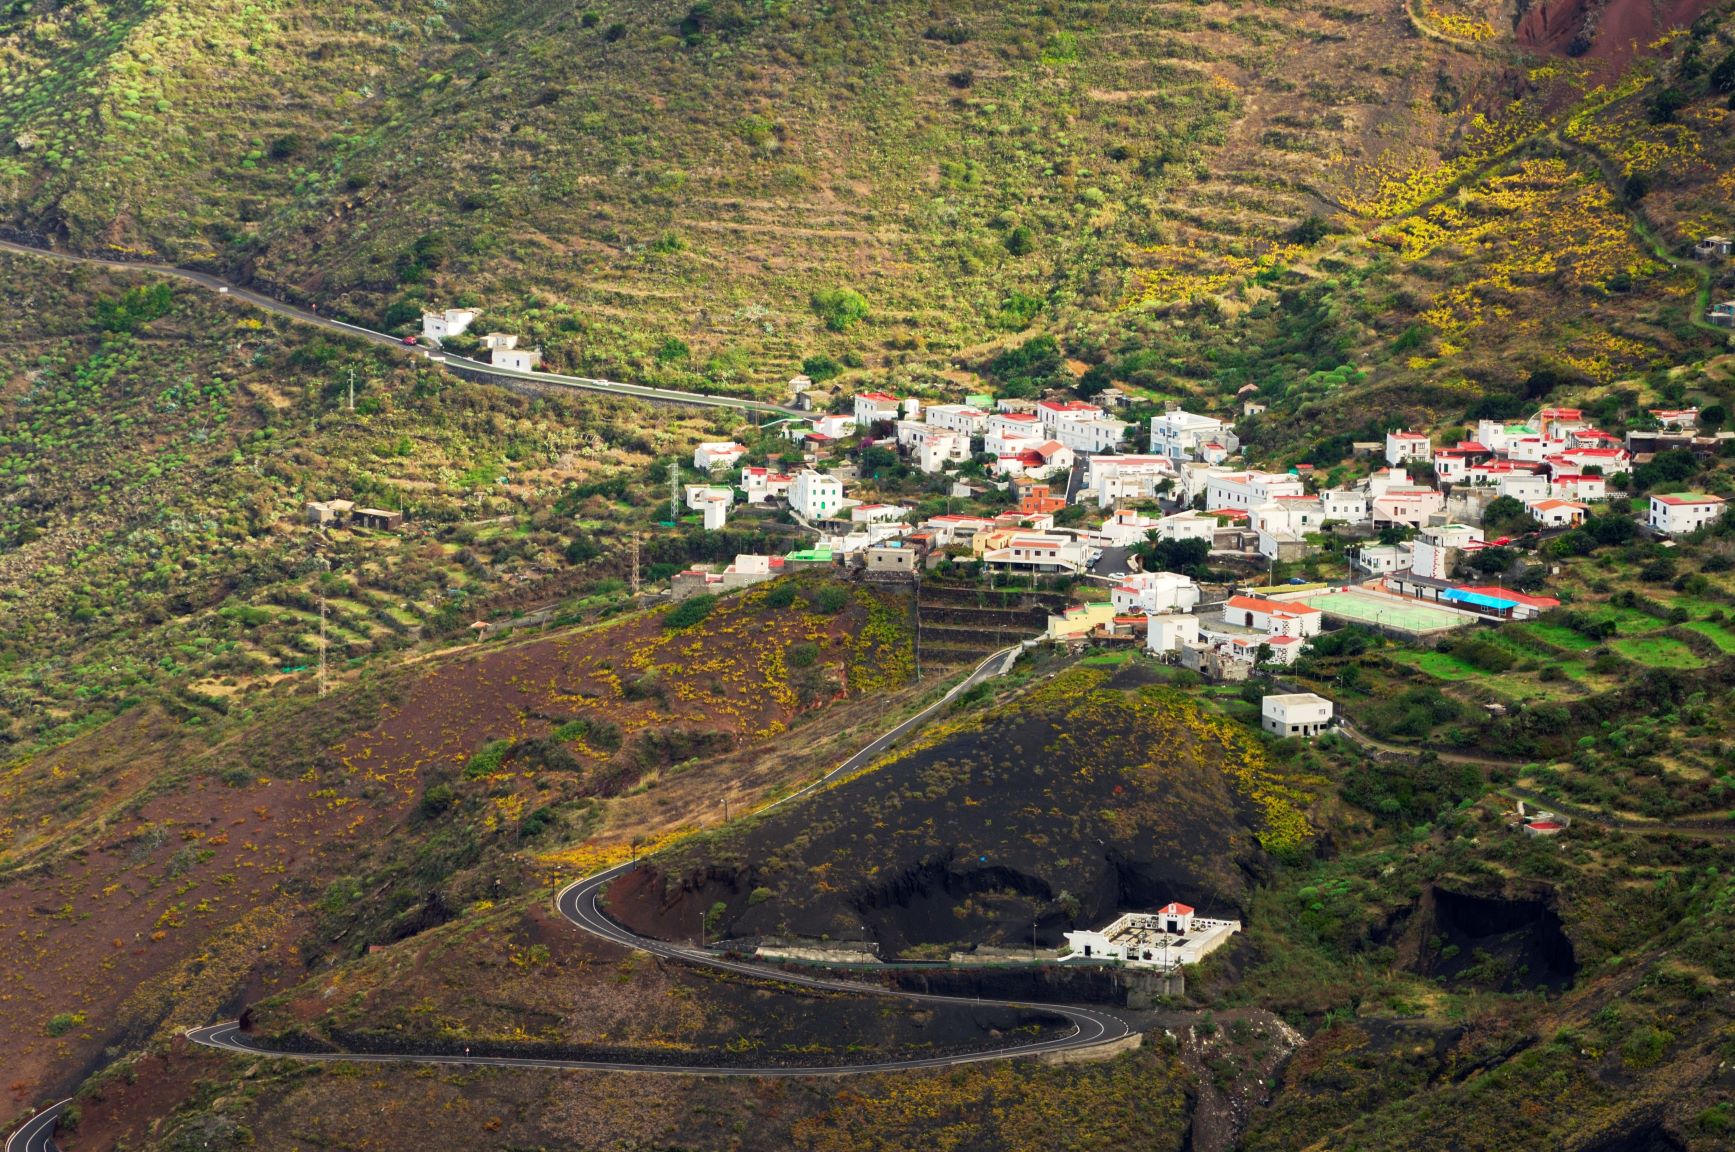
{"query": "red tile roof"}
{"type": "Point", "coordinates": [1175, 908]}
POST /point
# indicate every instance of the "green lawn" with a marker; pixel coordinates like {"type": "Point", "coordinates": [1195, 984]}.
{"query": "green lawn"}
{"type": "Point", "coordinates": [1657, 652]}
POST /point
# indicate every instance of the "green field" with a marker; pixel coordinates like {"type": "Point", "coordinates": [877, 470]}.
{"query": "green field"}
{"type": "Point", "coordinates": [1657, 652]}
{"type": "Point", "coordinates": [1559, 635]}
{"type": "Point", "coordinates": [1716, 633]}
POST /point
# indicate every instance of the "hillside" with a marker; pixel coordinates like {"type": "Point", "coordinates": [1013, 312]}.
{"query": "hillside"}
{"type": "Point", "coordinates": [1053, 810]}
{"type": "Point", "coordinates": [153, 871]}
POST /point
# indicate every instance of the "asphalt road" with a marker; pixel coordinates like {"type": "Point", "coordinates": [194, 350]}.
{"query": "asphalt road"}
{"type": "Point", "coordinates": [433, 355]}
{"type": "Point", "coordinates": [578, 902]}
{"type": "Point", "coordinates": [37, 1133]}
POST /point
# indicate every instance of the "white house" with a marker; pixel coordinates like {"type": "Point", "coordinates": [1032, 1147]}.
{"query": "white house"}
{"type": "Point", "coordinates": [836, 427]}
{"type": "Point", "coordinates": [1524, 486]}
{"type": "Point", "coordinates": [1168, 632]}
{"type": "Point", "coordinates": [1552, 513]}
{"type": "Point", "coordinates": [1272, 617]}
{"type": "Point", "coordinates": [1576, 486]}
{"type": "Point", "coordinates": [1015, 424]}
{"type": "Point", "coordinates": [1128, 527]}
{"type": "Point", "coordinates": [1411, 506]}
{"type": "Point", "coordinates": [451, 322]}
{"type": "Point", "coordinates": [698, 495]}
{"type": "Point", "coordinates": [872, 406]}
{"type": "Point", "coordinates": [1293, 514]}
{"type": "Point", "coordinates": [1681, 512]}
{"type": "Point", "coordinates": [1054, 413]}
{"type": "Point", "coordinates": [1179, 434]}
{"type": "Point", "coordinates": [1676, 419]}
{"type": "Point", "coordinates": [1295, 714]}
{"type": "Point", "coordinates": [516, 359]}
{"type": "Point", "coordinates": [716, 513]}
{"type": "Point", "coordinates": [1101, 435]}
{"type": "Point", "coordinates": [957, 418]}
{"type": "Point", "coordinates": [1607, 461]}
{"type": "Point", "coordinates": [955, 528]}
{"type": "Point", "coordinates": [1154, 593]}
{"type": "Point", "coordinates": [1248, 490]}
{"type": "Point", "coordinates": [1188, 525]}
{"type": "Point", "coordinates": [1346, 505]}
{"type": "Point", "coordinates": [1382, 559]}
{"type": "Point", "coordinates": [1038, 553]}
{"type": "Point", "coordinates": [815, 495]}
{"type": "Point", "coordinates": [1435, 551]}
{"type": "Point", "coordinates": [877, 514]}
{"type": "Point", "coordinates": [762, 484]}
{"type": "Point", "coordinates": [1166, 939]}
{"type": "Point", "coordinates": [717, 454]}
{"type": "Point", "coordinates": [1109, 479]}
{"type": "Point", "coordinates": [936, 448]}
{"type": "Point", "coordinates": [499, 340]}
{"type": "Point", "coordinates": [1402, 447]}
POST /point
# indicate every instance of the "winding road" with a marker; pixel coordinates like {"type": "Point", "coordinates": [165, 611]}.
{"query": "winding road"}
{"type": "Point", "coordinates": [579, 903]}
{"type": "Point", "coordinates": [433, 355]}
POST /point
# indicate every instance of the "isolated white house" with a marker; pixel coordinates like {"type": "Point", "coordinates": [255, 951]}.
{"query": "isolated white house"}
{"type": "Point", "coordinates": [698, 495]}
{"type": "Point", "coordinates": [451, 322]}
{"type": "Point", "coordinates": [816, 495]}
{"type": "Point", "coordinates": [516, 359]}
{"type": "Point", "coordinates": [1681, 512]}
{"type": "Point", "coordinates": [1295, 714]}
{"type": "Point", "coordinates": [717, 454]}
{"type": "Point", "coordinates": [499, 340]}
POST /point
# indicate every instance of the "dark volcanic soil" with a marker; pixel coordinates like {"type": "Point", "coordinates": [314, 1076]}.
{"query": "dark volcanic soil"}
{"type": "Point", "coordinates": [1036, 822]}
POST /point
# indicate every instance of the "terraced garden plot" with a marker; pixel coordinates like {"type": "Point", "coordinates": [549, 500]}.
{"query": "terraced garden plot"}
{"type": "Point", "coordinates": [1722, 637]}
{"type": "Point", "coordinates": [1441, 665]}
{"type": "Point", "coordinates": [1657, 652]}
{"type": "Point", "coordinates": [1557, 634]}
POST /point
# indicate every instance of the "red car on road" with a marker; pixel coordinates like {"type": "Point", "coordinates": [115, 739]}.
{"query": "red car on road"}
{"type": "Point", "coordinates": [410, 340]}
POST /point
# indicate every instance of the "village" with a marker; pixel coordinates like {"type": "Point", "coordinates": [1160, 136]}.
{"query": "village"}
{"type": "Point", "coordinates": [1407, 548]}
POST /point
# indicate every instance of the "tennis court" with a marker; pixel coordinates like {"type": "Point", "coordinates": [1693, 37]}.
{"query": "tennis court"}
{"type": "Point", "coordinates": [1387, 611]}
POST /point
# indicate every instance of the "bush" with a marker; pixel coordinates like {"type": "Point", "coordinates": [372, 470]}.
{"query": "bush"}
{"type": "Point", "coordinates": [63, 1022]}
{"type": "Point", "coordinates": [840, 308]}
{"type": "Point", "coordinates": [436, 801]}
{"type": "Point", "coordinates": [780, 596]}
{"type": "Point", "coordinates": [819, 368]}
{"type": "Point", "coordinates": [830, 600]}
{"type": "Point", "coordinates": [135, 308]}
{"type": "Point", "coordinates": [689, 611]}
{"type": "Point", "coordinates": [1021, 241]}
{"type": "Point", "coordinates": [804, 655]}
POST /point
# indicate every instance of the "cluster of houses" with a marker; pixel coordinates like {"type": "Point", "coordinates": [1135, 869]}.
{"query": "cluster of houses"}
{"type": "Point", "coordinates": [498, 348]}
{"type": "Point", "coordinates": [1052, 453]}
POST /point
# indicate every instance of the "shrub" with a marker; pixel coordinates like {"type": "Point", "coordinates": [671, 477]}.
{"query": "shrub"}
{"type": "Point", "coordinates": [1021, 241]}
{"type": "Point", "coordinates": [830, 600]}
{"type": "Point", "coordinates": [804, 655]}
{"type": "Point", "coordinates": [820, 368]}
{"type": "Point", "coordinates": [436, 801]}
{"type": "Point", "coordinates": [63, 1022]}
{"type": "Point", "coordinates": [689, 611]}
{"type": "Point", "coordinates": [780, 596]}
{"type": "Point", "coordinates": [840, 308]}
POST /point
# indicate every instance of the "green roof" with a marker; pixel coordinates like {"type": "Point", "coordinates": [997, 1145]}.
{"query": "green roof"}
{"type": "Point", "coordinates": [810, 554]}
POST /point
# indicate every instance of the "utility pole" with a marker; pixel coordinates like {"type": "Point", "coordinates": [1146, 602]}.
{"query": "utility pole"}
{"type": "Point", "coordinates": [674, 492]}
{"type": "Point", "coordinates": [635, 563]}
{"type": "Point", "coordinates": [352, 389]}
{"type": "Point", "coordinates": [322, 647]}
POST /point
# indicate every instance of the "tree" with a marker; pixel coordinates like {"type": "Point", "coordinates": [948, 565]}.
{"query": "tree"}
{"type": "Point", "coordinates": [1021, 241]}
{"type": "Point", "coordinates": [840, 308]}
{"type": "Point", "coordinates": [1506, 516]}
{"type": "Point", "coordinates": [1185, 556]}
{"type": "Point", "coordinates": [819, 368]}
{"type": "Point", "coordinates": [1713, 416]}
